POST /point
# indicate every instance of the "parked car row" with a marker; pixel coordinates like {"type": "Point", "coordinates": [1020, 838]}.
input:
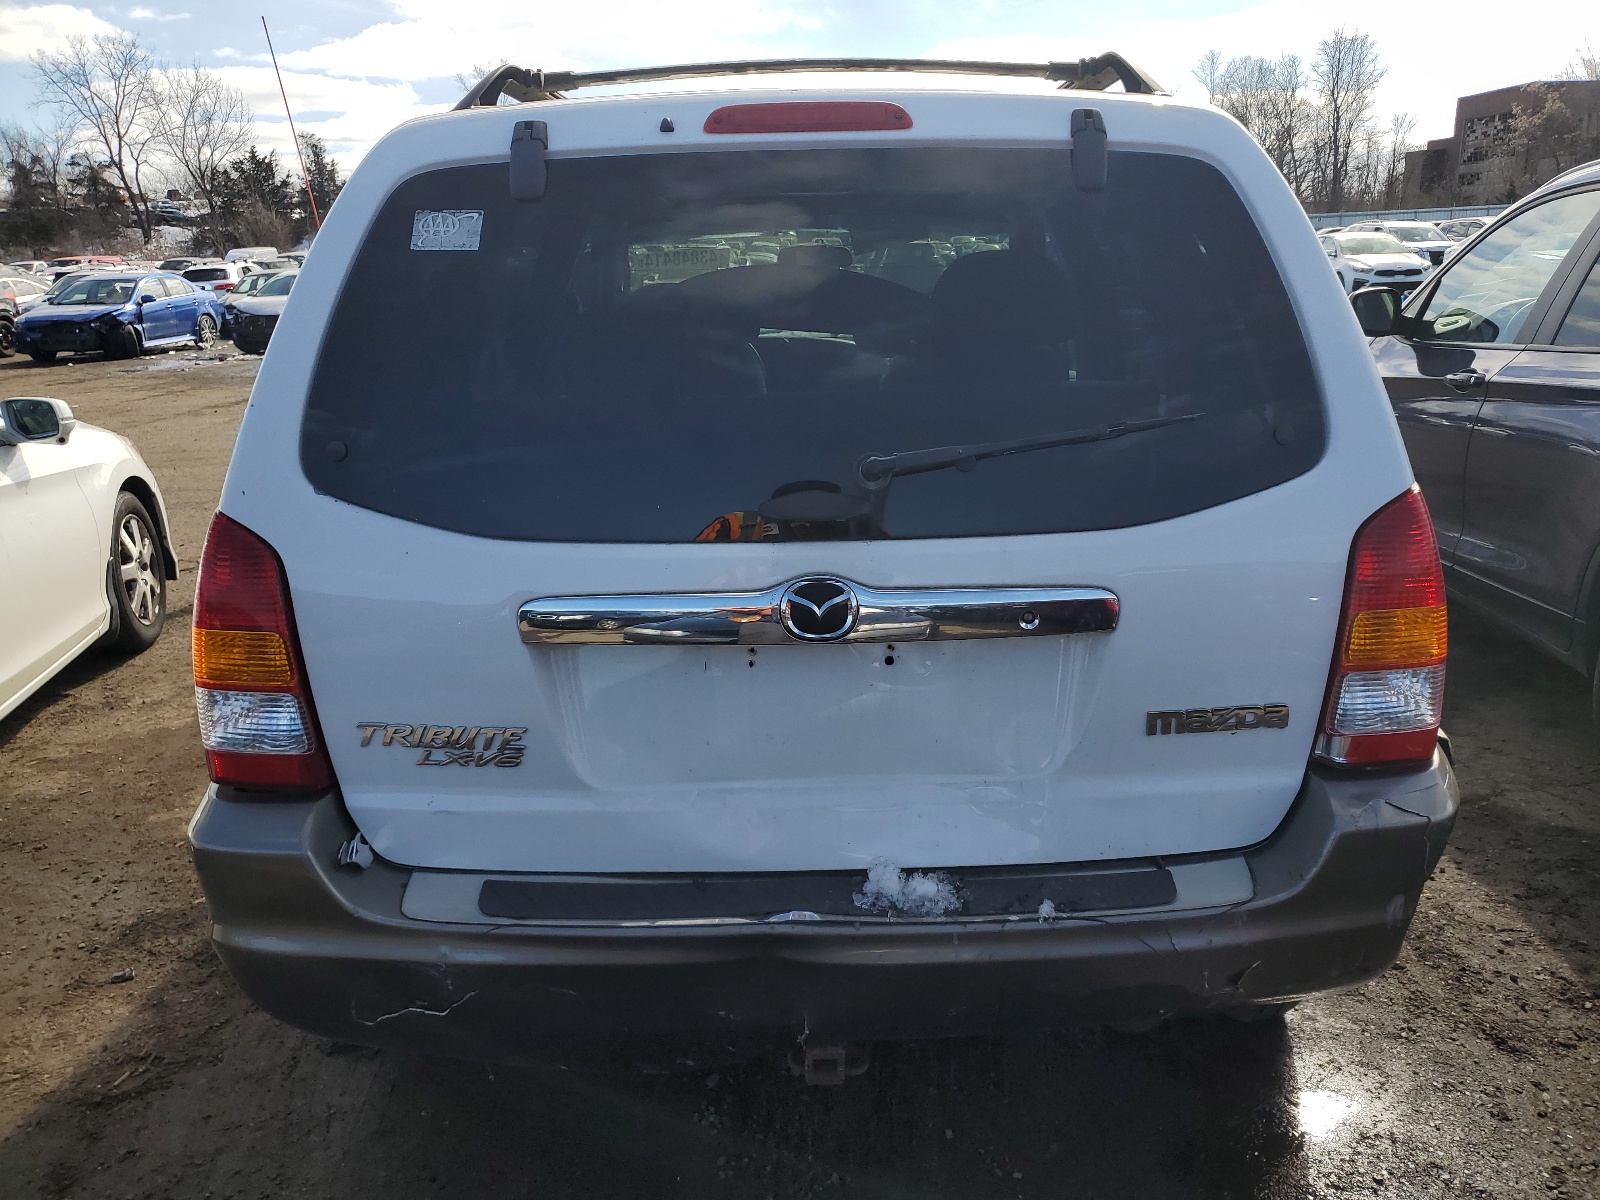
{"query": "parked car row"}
{"type": "Point", "coordinates": [119, 314]}
{"type": "Point", "coordinates": [124, 313]}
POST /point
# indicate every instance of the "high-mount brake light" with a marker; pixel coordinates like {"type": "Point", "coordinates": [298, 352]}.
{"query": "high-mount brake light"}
{"type": "Point", "coordinates": [256, 717]}
{"type": "Point", "coordinates": [1387, 688]}
{"type": "Point", "coordinates": [809, 116]}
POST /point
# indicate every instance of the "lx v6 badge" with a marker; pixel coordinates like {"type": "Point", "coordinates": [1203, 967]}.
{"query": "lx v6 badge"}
{"type": "Point", "coordinates": [451, 745]}
{"type": "Point", "coordinates": [1217, 720]}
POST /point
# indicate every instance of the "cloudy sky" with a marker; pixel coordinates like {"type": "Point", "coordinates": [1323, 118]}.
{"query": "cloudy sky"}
{"type": "Point", "coordinates": [356, 68]}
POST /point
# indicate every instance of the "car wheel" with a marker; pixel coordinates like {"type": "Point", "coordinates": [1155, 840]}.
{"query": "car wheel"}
{"type": "Point", "coordinates": [42, 356]}
{"type": "Point", "coordinates": [121, 342]}
{"type": "Point", "coordinates": [8, 338]}
{"type": "Point", "coordinates": [137, 579]}
{"type": "Point", "coordinates": [206, 331]}
{"type": "Point", "coordinates": [249, 347]}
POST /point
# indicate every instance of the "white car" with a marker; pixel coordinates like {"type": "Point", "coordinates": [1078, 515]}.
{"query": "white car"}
{"type": "Point", "coordinates": [1364, 259]}
{"type": "Point", "coordinates": [84, 551]}
{"type": "Point", "coordinates": [250, 253]}
{"type": "Point", "coordinates": [1462, 228]}
{"type": "Point", "coordinates": [1421, 237]}
{"type": "Point", "coordinates": [220, 278]}
{"type": "Point", "coordinates": [786, 654]}
{"type": "Point", "coordinates": [28, 291]}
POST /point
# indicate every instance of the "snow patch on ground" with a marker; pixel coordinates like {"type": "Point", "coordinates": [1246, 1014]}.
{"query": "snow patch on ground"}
{"type": "Point", "coordinates": [1047, 910]}
{"type": "Point", "coordinates": [918, 894]}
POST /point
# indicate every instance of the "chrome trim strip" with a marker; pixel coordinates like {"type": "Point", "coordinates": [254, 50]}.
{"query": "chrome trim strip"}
{"type": "Point", "coordinates": [752, 618]}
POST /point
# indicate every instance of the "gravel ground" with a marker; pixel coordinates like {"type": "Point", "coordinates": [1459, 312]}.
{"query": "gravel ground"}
{"type": "Point", "coordinates": [1467, 1070]}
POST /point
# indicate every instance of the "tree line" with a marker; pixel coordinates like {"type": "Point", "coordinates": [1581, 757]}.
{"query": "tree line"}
{"type": "Point", "coordinates": [1317, 120]}
{"type": "Point", "coordinates": [119, 129]}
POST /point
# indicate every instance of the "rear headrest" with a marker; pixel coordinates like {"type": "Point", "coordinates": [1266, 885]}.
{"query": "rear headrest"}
{"type": "Point", "coordinates": [1002, 293]}
{"type": "Point", "coordinates": [815, 254]}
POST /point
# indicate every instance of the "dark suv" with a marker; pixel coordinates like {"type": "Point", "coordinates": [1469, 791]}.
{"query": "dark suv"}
{"type": "Point", "coordinates": [1494, 372]}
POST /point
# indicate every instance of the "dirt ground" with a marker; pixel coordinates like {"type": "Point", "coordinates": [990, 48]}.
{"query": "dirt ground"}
{"type": "Point", "coordinates": [1470, 1069]}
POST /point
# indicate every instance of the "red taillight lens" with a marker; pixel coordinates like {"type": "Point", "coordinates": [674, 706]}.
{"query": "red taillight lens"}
{"type": "Point", "coordinates": [222, 287]}
{"type": "Point", "coordinates": [256, 717]}
{"type": "Point", "coordinates": [810, 116]}
{"type": "Point", "coordinates": [1387, 690]}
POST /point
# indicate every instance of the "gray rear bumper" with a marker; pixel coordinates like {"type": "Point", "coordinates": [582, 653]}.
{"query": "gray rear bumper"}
{"type": "Point", "coordinates": [328, 949]}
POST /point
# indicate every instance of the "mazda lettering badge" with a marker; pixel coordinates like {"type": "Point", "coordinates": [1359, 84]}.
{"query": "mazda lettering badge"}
{"type": "Point", "coordinates": [819, 609]}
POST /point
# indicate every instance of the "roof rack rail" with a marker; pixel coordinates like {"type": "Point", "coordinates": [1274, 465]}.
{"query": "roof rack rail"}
{"type": "Point", "coordinates": [528, 86]}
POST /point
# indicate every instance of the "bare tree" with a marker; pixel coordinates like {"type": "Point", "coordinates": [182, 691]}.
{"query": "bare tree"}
{"type": "Point", "coordinates": [1208, 71]}
{"type": "Point", "coordinates": [1345, 74]}
{"type": "Point", "coordinates": [47, 146]}
{"type": "Point", "coordinates": [470, 78]}
{"type": "Point", "coordinates": [109, 84]}
{"type": "Point", "coordinates": [204, 124]}
{"type": "Point", "coordinates": [1267, 97]}
{"type": "Point", "coordinates": [1585, 66]}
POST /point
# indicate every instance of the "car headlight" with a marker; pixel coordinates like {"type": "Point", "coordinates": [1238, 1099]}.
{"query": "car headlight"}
{"type": "Point", "coordinates": [1359, 264]}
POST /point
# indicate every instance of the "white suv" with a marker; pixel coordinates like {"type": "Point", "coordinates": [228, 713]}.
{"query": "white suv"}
{"type": "Point", "coordinates": [666, 648]}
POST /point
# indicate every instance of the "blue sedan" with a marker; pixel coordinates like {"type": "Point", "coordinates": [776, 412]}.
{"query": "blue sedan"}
{"type": "Point", "coordinates": [120, 314]}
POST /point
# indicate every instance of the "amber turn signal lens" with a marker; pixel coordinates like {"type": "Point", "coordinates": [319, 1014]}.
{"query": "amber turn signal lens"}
{"type": "Point", "coordinates": [226, 657]}
{"type": "Point", "coordinates": [1395, 636]}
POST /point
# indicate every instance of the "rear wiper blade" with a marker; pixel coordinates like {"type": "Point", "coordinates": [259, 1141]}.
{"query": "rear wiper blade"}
{"type": "Point", "coordinates": [877, 470]}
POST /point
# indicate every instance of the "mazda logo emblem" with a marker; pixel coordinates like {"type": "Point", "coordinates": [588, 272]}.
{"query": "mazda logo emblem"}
{"type": "Point", "coordinates": [819, 609]}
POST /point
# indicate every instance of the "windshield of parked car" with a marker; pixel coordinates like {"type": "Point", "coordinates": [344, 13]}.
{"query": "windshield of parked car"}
{"type": "Point", "coordinates": [1417, 233]}
{"type": "Point", "coordinates": [61, 285]}
{"type": "Point", "coordinates": [249, 285]}
{"type": "Point", "coordinates": [703, 347]}
{"type": "Point", "coordinates": [1370, 243]}
{"type": "Point", "coordinates": [279, 285]}
{"type": "Point", "coordinates": [95, 290]}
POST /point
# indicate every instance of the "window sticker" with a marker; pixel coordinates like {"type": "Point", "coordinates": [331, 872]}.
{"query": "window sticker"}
{"type": "Point", "coordinates": [452, 229]}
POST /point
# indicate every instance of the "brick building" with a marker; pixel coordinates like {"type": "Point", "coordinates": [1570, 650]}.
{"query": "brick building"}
{"type": "Point", "coordinates": [1506, 143]}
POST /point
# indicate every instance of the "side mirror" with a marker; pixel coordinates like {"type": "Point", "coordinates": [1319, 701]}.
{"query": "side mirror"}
{"type": "Point", "coordinates": [35, 419]}
{"type": "Point", "coordinates": [1377, 309]}
{"type": "Point", "coordinates": [147, 298]}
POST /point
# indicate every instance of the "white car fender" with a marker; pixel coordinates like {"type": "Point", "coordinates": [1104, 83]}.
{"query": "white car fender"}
{"type": "Point", "coordinates": [109, 464]}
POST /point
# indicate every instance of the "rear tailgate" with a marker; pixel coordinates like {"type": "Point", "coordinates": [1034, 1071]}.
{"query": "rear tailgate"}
{"type": "Point", "coordinates": [586, 427]}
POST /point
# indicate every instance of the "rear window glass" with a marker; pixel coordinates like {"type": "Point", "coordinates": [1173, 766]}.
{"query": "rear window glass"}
{"type": "Point", "coordinates": [206, 274]}
{"type": "Point", "coordinates": [747, 345]}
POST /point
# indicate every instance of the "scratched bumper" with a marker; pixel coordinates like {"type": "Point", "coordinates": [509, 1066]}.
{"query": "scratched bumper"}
{"type": "Point", "coordinates": [328, 949]}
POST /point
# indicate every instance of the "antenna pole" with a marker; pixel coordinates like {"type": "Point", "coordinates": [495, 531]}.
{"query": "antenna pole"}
{"type": "Point", "coordinates": [305, 176]}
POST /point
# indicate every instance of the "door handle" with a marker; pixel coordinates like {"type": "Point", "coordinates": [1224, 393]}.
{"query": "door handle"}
{"type": "Point", "coordinates": [1465, 381]}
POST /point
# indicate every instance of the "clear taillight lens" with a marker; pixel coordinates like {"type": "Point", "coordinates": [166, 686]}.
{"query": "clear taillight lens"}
{"type": "Point", "coordinates": [252, 722]}
{"type": "Point", "coordinates": [1387, 691]}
